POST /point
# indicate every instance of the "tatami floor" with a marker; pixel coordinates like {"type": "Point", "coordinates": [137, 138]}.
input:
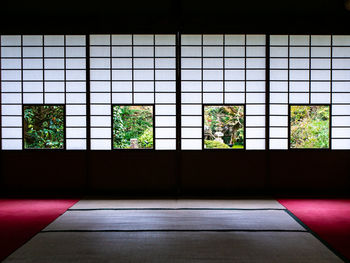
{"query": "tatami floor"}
{"type": "Point", "coordinates": [183, 230]}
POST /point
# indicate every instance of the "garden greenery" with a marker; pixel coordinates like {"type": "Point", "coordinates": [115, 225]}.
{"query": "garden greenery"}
{"type": "Point", "coordinates": [132, 127]}
{"type": "Point", "coordinates": [224, 127]}
{"type": "Point", "coordinates": [43, 127]}
{"type": "Point", "coordinates": [309, 126]}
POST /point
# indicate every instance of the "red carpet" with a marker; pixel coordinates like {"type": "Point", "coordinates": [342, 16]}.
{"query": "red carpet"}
{"type": "Point", "coordinates": [21, 219]}
{"type": "Point", "coordinates": [328, 218]}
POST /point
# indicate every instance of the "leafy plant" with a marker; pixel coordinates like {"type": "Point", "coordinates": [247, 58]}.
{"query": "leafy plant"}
{"type": "Point", "coordinates": [131, 122]}
{"type": "Point", "coordinates": [43, 127]}
{"type": "Point", "coordinates": [309, 127]}
{"type": "Point", "coordinates": [215, 145]}
{"type": "Point", "coordinates": [146, 139]}
{"type": "Point", "coordinates": [226, 119]}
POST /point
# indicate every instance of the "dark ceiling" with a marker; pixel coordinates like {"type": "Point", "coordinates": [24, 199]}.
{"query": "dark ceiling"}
{"type": "Point", "coordinates": [251, 16]}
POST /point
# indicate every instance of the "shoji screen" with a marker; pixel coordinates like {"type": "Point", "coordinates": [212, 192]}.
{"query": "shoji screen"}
{"type": "Point", "coordinates": [133, 69]}
{"type": "Point", "coordinates": [44, 70]}
{"type": "Point", "coordinates": [310, 69]}
{"type": "Point", "coordinates": [222, 69]}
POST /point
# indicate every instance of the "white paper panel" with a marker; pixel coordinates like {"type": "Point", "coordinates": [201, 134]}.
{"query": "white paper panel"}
{"type": "Point", "coordinates": [279, 144]}
{"type": "Point", "coordinates": [11, 133]}
{"type": "Point", "coordinates": [279, 98]}
{"type": "Point", "coordinates": [100, 39]}
{"type": "Point", "coordinates": [52, 40]}
{"type": "Point", "coordinates": [122, 52]}
{"type": "Point", "coordinates": [278, 109]}
{"type": "Point", "coordinates": [255, 109]}
{"type": "Point", "coordinates": [32, 98]}
{"type": "Point", "coordinates": [76, 110]}
{"type": "Point", "coordinates": [191, 39]}
{"type": "Point", "coordinates": [341, 63]}
{"type": "Point", "coordinates": [255, 133]}
{"type": "Point", "coordinates": [11, 144]}
{"type": "Point", "coordinates": [279, 40]}
{"type": "Point", "coordinates": [75, 40]}
{"type": "Point", "coordinates": [341, 144]}
{"type": "Point", "coordinates": [278, 86]}
{"type": "Point", "coordinates": [341, 40]}
{"type": "Point", "coordinates": [320, 98]}
{"type": "Point", "coordinates": [278, 132]}
{"type": "Point", "coordinates": [145, 98]}
{"type": "Point", "coordinates": [255, 121]}
{"type": "Point", "coordinates": [298, 63]}
{"type": "Point", "coordinates": [191, 51]}
{"type": "Point", "coordinates": [165, 144]}
{"type": "Point", "coordinates": [279, 121]}
{"type": "Point", "coordinates": [11, 109]}
{"type": "Point", "coordinates": [235, 98]}
{"type": "Point", "coordinates": [215, 98]}
{"type": "Point", "coordinates": [54, 63]}
{"type": "Point", "coordinates": [165, 98]}
{"type": "Point", "coordinates": [341, 133]}
{"type": "Point", "coordinates": [191, 144]}
{"type": "Point", "coordinates": [75, 132]}
{"type": "Point", "coordinates": [10, 40]}
{"type": "Point", "coordinates": [298, 98]}
{"type": "Point", "coordinates": [101, 144]}
{"type": "Point", "coordinates": [100, 121]}
{"type": "Point", "coordinates": [255, 144]}
{"type": "Point", "coordinates": [299, 86]}
{"type": "Point", "coordinates": [76, 144]}
{"type": "Point", "coordinates": [77, 98]}
{"type": "Point", "coordinates": [75, 52]}
{"type": "Point", "coordinates": [189, 121]}
{"type": "Point", "coordinates": [191, 132]}
{"type": "Point", "coordinates": [121, 98]}
{"type": "Point", "coordinates": [255, 98]}
{"type": "Point", "coordinates": [340, 110]}
{"type": "Point", "coordinates": [340, 121]}
{"type": "Point", "coordinates": [101, 133]}
{"type": "Point", "coordinates": [100, 110]}
{"type": "Point", "coordinates": [191, 109]}
{"type": "Point", "coordinates": [165, 110]}
{"type": "Point", "coordinates": [165, 133]}
{"type": "Point", "coordinates": [234, 39]}
{"type": "Point", "coordinates": [54, 98]}
{"type": "Point", "coordinates": [191, 98]}
{"type": "Point", "coordinates": [121, 39]}
{"type": "Point", "coordinates": [165, 121]}
{"type": "Point", "coordinates": [299, 40]}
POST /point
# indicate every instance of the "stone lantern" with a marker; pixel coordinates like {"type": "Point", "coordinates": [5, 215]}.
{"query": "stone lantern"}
{"type": "Point", "coordinates": [218, 135]}
{"type": "Point", "coordinates": [134, 143]}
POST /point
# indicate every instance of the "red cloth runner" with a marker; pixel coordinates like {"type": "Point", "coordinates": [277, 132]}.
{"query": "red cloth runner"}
{"type": "Point", "coordinates": [21, 219]}
{"type": "Point", "coordinates": [328, 218]}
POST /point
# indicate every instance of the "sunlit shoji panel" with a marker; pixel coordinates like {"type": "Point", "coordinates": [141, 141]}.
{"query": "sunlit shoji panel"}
{"type": "Point", "coordinates": [133, 69]}
{"type": "Point", "coordinates": [43, 69]}
{"type": "Point", "coordinates": [222, 69]}
{"type": "Point", "coordinates": [310, 69]}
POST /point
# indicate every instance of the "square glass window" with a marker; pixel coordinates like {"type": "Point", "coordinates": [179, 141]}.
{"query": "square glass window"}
{"type": "Point", "coordinates": [309, 127]}
{"type": "Point", "coordinates": [133, 127]}
{"type": "Point", "coordinates": [43, 126]}
{"type": "Point", "coordinates": [224, 126]}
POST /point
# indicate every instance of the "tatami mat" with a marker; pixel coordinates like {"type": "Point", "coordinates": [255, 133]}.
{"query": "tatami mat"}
{"type": "Point", "coordinates": [175, 220]}
{"type": "Point", "coordinates": [174, 247]}
{"type": "Point", "coordinates": [178, 203]}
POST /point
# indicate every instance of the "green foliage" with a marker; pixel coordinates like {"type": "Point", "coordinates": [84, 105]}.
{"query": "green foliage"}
{"type": "Point", "coordinates": [215, 145]}
{"type": "Point", "coordinates": [146, 139]}
{"type": "Point", "coordinates": [131, 122]}
{"type": "Point", "coordinates": [227, 119]}
{"type": "Point", "coordinates": [309, 127]}
{"type": "Point", "coordinates": [43, 127]}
